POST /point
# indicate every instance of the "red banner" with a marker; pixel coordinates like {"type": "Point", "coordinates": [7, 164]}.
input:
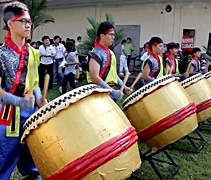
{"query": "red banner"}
{"type": "Point", "coordinates": [188, 40]}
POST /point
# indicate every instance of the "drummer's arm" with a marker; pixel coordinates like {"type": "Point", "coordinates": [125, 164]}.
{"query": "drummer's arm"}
{"type": "Point", "coordinates": [146, 72]}
{"type": "Point", "coordinates": [168, 69]}
{"type": "Point", "coordinates": [207, 65]}
{"type": "Point", "coordinates": [94, 69]}
{"type": "Point", "coordinates": [191, 70]}
{"type": "Point", "coordinates": [11, 99]}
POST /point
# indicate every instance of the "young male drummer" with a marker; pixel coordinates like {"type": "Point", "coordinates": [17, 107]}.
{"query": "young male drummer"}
{"type": "Point", "coordinates": [153, 64]}
{"type": "Point", "coordinates": [16, 103]}
{"type": "Point", "coordinates": [102, 69]}
{"type": "Point", "coordinates": [194, 65]}
{"type": "Point", "coordinates": [171, 63]}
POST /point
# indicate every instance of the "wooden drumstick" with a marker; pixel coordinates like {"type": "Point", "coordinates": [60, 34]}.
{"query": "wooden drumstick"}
{"type": "Point", "coordinates": [136, 80]}
{"type": "Point", "coordinates": [45, 88]}
{"type": "Point", "coordinates": [31, 78]}
{"type": "Point", "coordinates": [124, 82]}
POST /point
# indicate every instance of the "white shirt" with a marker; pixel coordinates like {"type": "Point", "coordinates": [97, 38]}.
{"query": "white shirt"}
{"type": "Point", "coordinates": [60, 49]}
{"type": "Point", "coordinates": [49, 51]}
{"type": "Point", "coordinates": [71, 57]}
{"type": "Point", "coordinates": [123, 49]}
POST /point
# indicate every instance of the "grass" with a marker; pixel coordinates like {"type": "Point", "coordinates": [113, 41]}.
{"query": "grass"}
{"type": "Point", "coordinates": [193, 166]}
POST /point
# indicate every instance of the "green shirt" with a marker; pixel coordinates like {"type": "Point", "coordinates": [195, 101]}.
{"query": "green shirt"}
{"type": "Point", "coordinates": [129, 48]}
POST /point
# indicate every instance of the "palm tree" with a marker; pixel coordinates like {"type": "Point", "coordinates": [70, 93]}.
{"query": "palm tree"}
{"type": "Point", "coordinates": [37, 10]}
{"type": "Point", "coordinates": [91, 34]}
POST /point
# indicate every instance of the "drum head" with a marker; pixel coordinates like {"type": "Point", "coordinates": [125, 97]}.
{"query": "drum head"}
{"type": "Point", "coordinates": [147, 89]}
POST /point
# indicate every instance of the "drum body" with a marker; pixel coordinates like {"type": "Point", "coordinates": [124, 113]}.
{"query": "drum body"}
{"type": "Point", "coordinates": [199, 90]}
{"type": "Point", "coordinates": [84, 135]}
{"type": "Point", "coordinates": [161, 112]}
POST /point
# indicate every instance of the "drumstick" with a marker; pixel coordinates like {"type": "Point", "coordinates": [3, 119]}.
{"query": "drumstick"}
{"type": "Point", "coordinates": [31, 78]}
{"type": "Point", "coordinates": [136, 80]}
{"type": "Point", "coordinates": [45, 89]}
{"type": "Point", "coordinates": [124, 82]}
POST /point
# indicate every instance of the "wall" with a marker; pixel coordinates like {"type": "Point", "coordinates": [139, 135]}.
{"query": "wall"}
{"type": "Point", "coordinates": [71, 22]}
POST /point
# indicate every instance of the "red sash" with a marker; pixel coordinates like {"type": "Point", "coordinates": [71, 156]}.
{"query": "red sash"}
{"type": "Point", "coordinates": [154, 74]}
{"type": "Point", "coordinates": [7, 111]}
{"type": "Point", "coordinates": [105, 70]}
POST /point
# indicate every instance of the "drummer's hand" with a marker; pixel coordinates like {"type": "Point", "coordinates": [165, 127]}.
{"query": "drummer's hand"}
{"type": "Point", "coordinates": [117, 94]}
{"type": "Point", "coordinates": [41, 103]}
{"type": "Point", "coordinates": [30, 98]}
{"type": "Point", "coordinates": [186, 75]}
{"type": "Point", "coordinates": [128, 90]}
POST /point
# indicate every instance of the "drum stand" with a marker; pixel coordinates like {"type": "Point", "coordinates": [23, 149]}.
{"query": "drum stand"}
{"type": "Point", "coordinates": [197, 142]}
{"type": "Point", "coordinates": [204, 124]}
{"type": "Point", "coordinates": [149, 156]}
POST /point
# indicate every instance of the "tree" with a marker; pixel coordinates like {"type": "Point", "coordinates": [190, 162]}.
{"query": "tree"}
{"type": "Point", "coordinates": [37, 10]}
{"type": "Point", "coordinates": [87, 43]}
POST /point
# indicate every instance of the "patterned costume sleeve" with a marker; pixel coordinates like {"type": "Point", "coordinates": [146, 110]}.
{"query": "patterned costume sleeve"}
{"type": "Point", "coordinates": [95, 57]}
{"type": "Point", "coordinates": [148, 62]}
{"type": "Point", "coordinates": [193, 63]}
{"type": "Point", "coordinates": [168, 62]}
{"type": "Point", "coordinates": [1, 70]}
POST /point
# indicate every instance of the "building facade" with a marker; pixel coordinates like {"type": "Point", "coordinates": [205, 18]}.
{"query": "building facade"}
{"type": "Point", "coordinates": [151, 17]}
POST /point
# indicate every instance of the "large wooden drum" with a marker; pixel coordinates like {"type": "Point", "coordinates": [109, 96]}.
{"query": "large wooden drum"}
{"type": "Point", "coordinates": [84, 135]}
{"type": "Point", "coordinates": [161, 112]}
{"type": "Point", "coordinates": [199, 90]}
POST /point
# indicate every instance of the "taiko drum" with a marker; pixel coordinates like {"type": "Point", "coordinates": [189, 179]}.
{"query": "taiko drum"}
{"type": "Point", "coordinates": [84, 135]}
{"type": "Point", "coordinates": [161, 111]}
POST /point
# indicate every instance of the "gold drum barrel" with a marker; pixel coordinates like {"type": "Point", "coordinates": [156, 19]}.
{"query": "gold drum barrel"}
{"type": "Point", "coordinates": [199, 90]}
{"type": "Point", "coordinates": [161, 112]}
{"type": "Point", "coordinates": [84, 135]}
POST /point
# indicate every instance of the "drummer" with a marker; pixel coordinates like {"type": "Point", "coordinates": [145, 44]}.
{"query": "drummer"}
{"type": "Point", "coordinates": [194, 64]}
{"type": "Point", "coordinates": [153, 64]}
{"type": "Point", "coordinates": [16, 105]}
{"type": "Point", "coordinates": [102, 69]}
{"type": "Point", "coordinates": [171, 63]}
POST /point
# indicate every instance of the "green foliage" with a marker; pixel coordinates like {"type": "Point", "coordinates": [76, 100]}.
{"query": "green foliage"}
{"type": "Point", "coordinates": [37, 10]}
{"type": "Point", "coordinates": [208, 51]}
{"type": "Point", "coordinates": [91, 34]}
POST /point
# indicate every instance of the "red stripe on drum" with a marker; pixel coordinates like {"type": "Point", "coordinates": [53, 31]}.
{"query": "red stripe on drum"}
{"type": "Point", "coordinates": [167, 122]}
{"type": "Point", "coordinates": [203, 105]}
{"type": "Point", "coordinates": [97, 157]}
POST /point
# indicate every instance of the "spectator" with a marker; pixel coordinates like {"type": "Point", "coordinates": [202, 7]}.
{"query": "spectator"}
{"type": "Point", "coordinates": [60, 50]}
{"type": "Point", "coordinates": [48, 53]}
{"type": "Point", "coordinates": [129, 49]}
{"type": "Point", "coordinates": [123, 59]}
{"type": "Point", "coordinates": [34, 44]}
{"type": "Point", "coordinates": [70, 64]}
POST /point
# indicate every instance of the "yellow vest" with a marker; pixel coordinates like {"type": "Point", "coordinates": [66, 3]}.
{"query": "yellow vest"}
{"type": "Point", "coordinates": [177, 67]}
{"type": "Point", "coordinates": [32, 69]}
{"type": "Point", "coordinates": [112, 74]}
{"type": "Point", "coordinates": [160, 74]}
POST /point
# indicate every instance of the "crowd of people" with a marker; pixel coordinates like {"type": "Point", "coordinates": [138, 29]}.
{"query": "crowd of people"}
{"type": "Point", "coordinates": [58, 59]}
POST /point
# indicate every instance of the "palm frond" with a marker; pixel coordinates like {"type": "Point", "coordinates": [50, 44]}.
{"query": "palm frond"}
{"type": "Point", "coordinates": [93, 23]}
{"type": "Point", "coordinates": [91, 33]}
{"type": "Point", "coordinates": [109, 18]}
{"type": "Point", "coordinates": [42, 19]}
{"type": "Point", "coordinates": [37, 10]}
